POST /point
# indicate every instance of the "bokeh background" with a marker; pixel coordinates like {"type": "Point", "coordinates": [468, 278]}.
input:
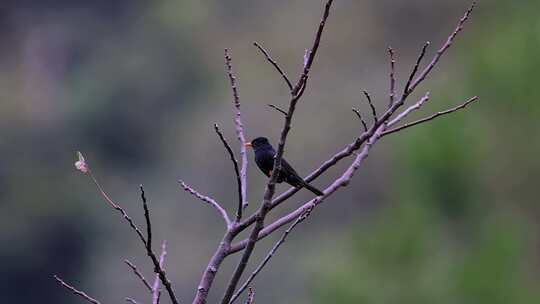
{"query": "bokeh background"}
{"type": "Point", "coordinates": [442, 213]}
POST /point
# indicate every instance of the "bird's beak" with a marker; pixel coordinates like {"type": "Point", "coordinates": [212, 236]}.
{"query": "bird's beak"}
{"type": "Point", "coordinates": [248, 145]}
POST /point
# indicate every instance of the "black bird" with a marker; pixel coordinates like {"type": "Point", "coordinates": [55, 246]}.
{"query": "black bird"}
{"type": "Point", "coordinates": [264, 158]}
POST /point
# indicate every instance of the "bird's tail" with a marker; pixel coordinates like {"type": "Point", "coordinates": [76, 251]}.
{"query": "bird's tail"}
{"type": "Point", "coordinates": [312, 189]}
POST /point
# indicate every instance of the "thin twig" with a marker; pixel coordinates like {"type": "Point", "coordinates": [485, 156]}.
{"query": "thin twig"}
{"type": "Point", "coordinates": [275, 64]}
{"type": "Point", "coordinates": [138, 274]}
{"type": "Point", "coordinates": [270, 254]}
{"type": "Point", "coordinates": [132, 301]}
{"type": "Point", "coordinates": [239, 128]}
{"type": "Point", "coordinates": [147, 219]}
{"type": "Point", "coordinates": [278, 109]}
{"type": "Point", "coordinates": [373, 110]}
{"type": "Point", "coordinates": [410, 109]}
{"type": "Point", "coordinates": [158, 269]}
{"type": "Point", "coordinates": [148, 246]}
{"type": "Point", "coordinates": [118, 208]}
{"type": "Point", "coordinates": [207, 200]}
{"type": "Point", "coordinates": [431, 117]}
{"type": "Point", "coordinates": [155, 287]}
{"type": "Point", "coordinates": [357, 112]}
{"type": "Point", "coordinates": [75, 291]}
{"type": "Point", "coordinates": [443, 49]}
{"type": "Point", "coordinates": [392, 89]}
{"type": "Point", "coordinates": [251, 296]}
{"type": "Point", "coordinates": [300, 85]}
{"type": "Point", "coordinates": [236, 171]}
{"type": "Point", "coordinates": [415, 69]}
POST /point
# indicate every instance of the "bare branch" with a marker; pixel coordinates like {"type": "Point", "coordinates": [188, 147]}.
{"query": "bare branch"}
{"type": "Point", "coordinates": [344, 153]}
{"type": "Point", "coordinates": [251, 296]}
{"type": "Point", "coordinates": [443, 49]}
{"type": "Point", "coordinates": [275, 64]}
{"type": "Point", "coordinates": [270, 187]}
{"type": "Point", "coordinates": [210, 272]}
{"type": "Point", "coordinates": [373, 110]}
{"type": "Point", "coordinates": [222, 251]}
{"type": "Point", "coordinates": [270, 254]}
{"type": "Point", "coordinates": [207, 200]}
{"type": "Point", "coordinates": [392, 90]}
{"type": "Point", "coordinates": [410, 109]}
{"type": "Point", "coordinates": [132, 301]}
{"type": "Point", "coordinates": [278, 109]}
{"type": "Point", "coordinates": [347, 151]}
{"type": "Point", "coordinates": [357, 112]}
{"type": "Point", "coordinates": [355, 145]}
{"type": "Point", "coordinates": [260, 230]}
{"type": "Point", "coordinates": [147, 218]}
{"type": "Point", "coordinates": [158, 269]}
{"type": "Point", "coordinates": [431, 117]}
{"type": "Point", "coordinates": [250, 246]}
{"type": "Point", "coordinates": [117, 207]}
{"type": "Point", "coordinates": [297, 91]}
{"type": "Point", "coordinates": [374, 135]}
{"type": "Point", "coordinates": [76, 291]}
{"type": "Point", "coordinates": [236, 171]}
{"type": "Point", "coordinates": [83, 167]}
{"type": "Point", "coordinates": [239, 127]}
{"type": "Point", "coordinates": [155, 287]}
{"type": "Point", "coordinates": [415, 69]}
{"type": "Point", "coordinates": [138, 274]}
{"type": "Point", "coordinates": [158, 296]}
{"type": "Point", "coordinates": [163, 278]}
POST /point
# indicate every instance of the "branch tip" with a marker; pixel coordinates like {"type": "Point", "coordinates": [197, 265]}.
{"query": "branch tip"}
{"type": "Point", "coordinates": [237, 171]}
{"type": "Point", "coordinates": [210, 201]}
{"type": "Point", "coordinates": [75, 291]}
{"type": "Point", "coordinates": [275, 65]}
{"type": "Point", "coordinates": [357, 112]}
{"type": "Point", "coordinates": [373, 110]}
{"type": "Point", "coordinates": [431, 117]}
{"type": "Point", "coordinates": [278, 109]}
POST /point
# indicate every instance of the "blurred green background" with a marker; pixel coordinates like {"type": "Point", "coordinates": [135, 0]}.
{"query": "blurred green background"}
{"type": "Point", "coordinates": [442, 213]}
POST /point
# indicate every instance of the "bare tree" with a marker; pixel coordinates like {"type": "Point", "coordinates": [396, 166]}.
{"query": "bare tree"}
{"type": "Point", "coordinates": [382, 125]}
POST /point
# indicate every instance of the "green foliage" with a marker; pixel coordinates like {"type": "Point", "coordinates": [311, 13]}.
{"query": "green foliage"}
{"type": "Point", "coordinates": [413, 255]}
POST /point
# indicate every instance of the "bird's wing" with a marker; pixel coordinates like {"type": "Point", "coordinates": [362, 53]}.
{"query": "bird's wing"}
{"type": "Point", "coordinates": [286, 168]}
{"type": "Point", "coordinates": [289, 174]}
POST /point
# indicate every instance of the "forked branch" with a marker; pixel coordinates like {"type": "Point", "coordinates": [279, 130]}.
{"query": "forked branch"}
{"type": "Point", "coordinates": [236, 171]}
{"type": "Point", "coordinates": [210, 201]}
{"type": "Point", "coordinates": [239, 128]}
{"type": "Point", "coordinates": [378, 127]}
{"type": "Point", "coordinates": [75, 291]}
{"type": "Point", "coordinates": [270, 187]}
{"type": "Point", "coordinates": [275, 65]}
{"type": "Point", "coordinates": [359, 149]}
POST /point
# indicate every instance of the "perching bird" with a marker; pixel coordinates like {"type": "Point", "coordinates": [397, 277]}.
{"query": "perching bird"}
{"type": "Point", "coordinates": [264, 158]}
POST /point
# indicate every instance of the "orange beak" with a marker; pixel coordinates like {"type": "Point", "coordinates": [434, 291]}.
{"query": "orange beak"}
{"type": "Point", "coordinates": [248, 145]}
